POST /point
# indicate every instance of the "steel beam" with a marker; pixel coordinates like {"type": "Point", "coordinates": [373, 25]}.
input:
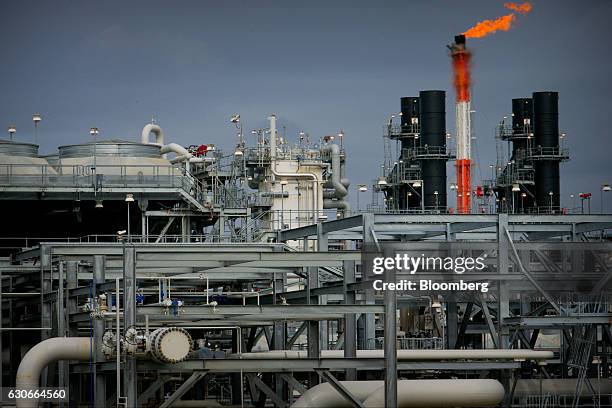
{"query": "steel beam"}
{"type": "Point", "coordinates": [129, 316]}
{"type": "Point", "coordinates": [186, 386]}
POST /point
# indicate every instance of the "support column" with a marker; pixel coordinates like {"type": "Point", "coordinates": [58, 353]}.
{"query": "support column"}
{"type": "Point", "coordinates": [369, 327]}
{"type": "Point", "coordinates": [186, 228]}
{"type": "Point", "coordinates": [390, 342]}
{"type": "Point", "coordinates": [503, 300]}
{"type": "Point", "coordinates": [129, 316]}
{"type": "Point", "coordinates": [72, 279]}
{"type": "Point", "coordinates": [46, 306]}
{"type": "Point", "coordinates": [451, 323]}
{"type": "Point", "coordinates": [322, 246]}
{"type": "Point", "coordinates": [503, 297]}
{"type": "Point", "coordinates": [98, 328]}
{"type": "Point", "coordinates": [314, 346]}
{"type": "Point", "coordinates": [279, 333]}
{"type": "Point", "coordinates": [350, 327]}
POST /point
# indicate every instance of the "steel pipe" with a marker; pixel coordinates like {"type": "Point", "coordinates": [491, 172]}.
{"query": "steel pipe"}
{"type": "Point", "coordinates": [417, 355]}
{"type": "Point", "coordinates": [410, 393]}
{"type": "Point", "coordinates": [41, 355]}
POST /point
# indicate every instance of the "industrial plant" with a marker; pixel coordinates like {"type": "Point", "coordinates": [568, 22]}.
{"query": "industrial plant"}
{"type": "Point", "coordinates": [141, 272]}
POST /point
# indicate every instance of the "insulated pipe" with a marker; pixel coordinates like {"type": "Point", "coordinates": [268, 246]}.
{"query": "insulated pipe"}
{"type": "Point", "coordinates": [41, 355]}
{"type": "Point", "coordinates": [156, 130]}
{"type": "Point", "coordinates": [410, 393]}
{"type": "Point", "coordinates": [336, 182]}
{"type": "Point", "coordinates": [181, 153]}
{"type": "Point", "coordinates": [484, 354]}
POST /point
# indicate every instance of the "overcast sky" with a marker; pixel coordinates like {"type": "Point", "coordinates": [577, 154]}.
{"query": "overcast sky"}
{"type": "Point", "coordinates": [321, 66]}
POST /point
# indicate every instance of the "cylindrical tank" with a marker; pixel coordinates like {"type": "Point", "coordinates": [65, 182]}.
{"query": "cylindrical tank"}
{"type": "Point", "coordinates": [113, 157]}
{"type": "Point", "coordinates": [21, 159]}
{"type": "Point", "coordinates": [433, 134]}
{"type": "Point", "coordinates": [546, 118]}
{"type": "Point", "coordinates": [546, 136]}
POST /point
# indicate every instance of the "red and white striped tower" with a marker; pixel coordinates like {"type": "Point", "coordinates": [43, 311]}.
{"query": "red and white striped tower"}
{"type": "Point", "coordinates": [461, 70]}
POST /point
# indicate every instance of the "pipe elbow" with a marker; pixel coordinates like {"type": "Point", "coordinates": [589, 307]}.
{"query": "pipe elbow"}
{"type": "Point", "coordinates": [156, 130]}
{"type": "Point", "coordinates": [41, 355]}
{"type": "Point", "coordinates": [181, 153]}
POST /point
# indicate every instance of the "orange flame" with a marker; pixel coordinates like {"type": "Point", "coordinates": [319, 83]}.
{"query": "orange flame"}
{"type": "Point", "coordinates": [461, 69]}
{"type": "Point", "coordinates": [503, 23]}
{"type": "Point", "coordinates": [487, 27]}
{"type": "Point", "coordinates": [519, 8]}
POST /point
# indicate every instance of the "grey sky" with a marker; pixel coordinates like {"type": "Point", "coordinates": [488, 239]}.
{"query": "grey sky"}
{"type": "Point", "coordinates": [321, 66]}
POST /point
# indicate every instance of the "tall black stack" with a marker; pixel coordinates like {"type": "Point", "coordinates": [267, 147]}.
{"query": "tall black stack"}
{"type": "Point", "coordinates": [522, 118]}
{"type": "Point", "coordinates": [410, 115]}
{"type": "Point", "coordinates": [410, 108]}
{"type": "Point", "coordinates": [433, 135]}
{"type": "Point", "coordinates": [546, 141]}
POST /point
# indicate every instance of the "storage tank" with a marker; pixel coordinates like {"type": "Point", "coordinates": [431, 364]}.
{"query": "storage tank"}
{"type": "Point", "coordinates": [114, 157]}
{"type": "Point", "coordinates": [17, 158]}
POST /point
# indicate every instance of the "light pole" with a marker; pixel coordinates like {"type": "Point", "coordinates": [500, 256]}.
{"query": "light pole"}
{"type": "Point", "coordinates": [605, 188]}
{"type": "Point", "coordinates": [453, 186]}
{"type": "Point", "coordinates": [550, 194]}
{"type": "Point", "coordinates": [419, 184]}
{"type": "Point", "coordinates": [94, 171]}
{"type": "Point", "coordinates": [573, 197]}
{"type": "Point", "coordinates": [436, 194]}
{"type": "Point", "coordinates": [129, 198]}
{"type": "Point", "coordinates": [12, 130]}
{"type": "Point", "coordinates": [36, 118]}
{"type": "Point", "coordinates": [523, 195]}
{"type": "Point", "coordinates": [361, 188]}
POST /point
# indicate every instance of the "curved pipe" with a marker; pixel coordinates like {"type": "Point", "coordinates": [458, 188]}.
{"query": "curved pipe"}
{"type": "Point", "coordinates": [336, 182]}
{"type": "Point", "coordinates": [44, 353]}
{"type": "Point", "coordinates": [181, 153]}
{"type": "Point", "coordinates": [315, 187]}
{"type": "Point", "coordinates": [484, 354]}
{"type": "Point", "coordinates": [156, 130]}
{"type": "Point", "coordinates": [410, 393]}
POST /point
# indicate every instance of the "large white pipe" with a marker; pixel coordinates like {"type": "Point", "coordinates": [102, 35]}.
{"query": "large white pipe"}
{"type": "Point", "coordinates": [41, 355]}
{"type": "Point", "coordinates": [410, 393]}
{"type": "Point", "coordinates": [484, 354]}
{"type": "Point", "coordinates": [156, 130]}
{"type": "Point", "coordinates": [181, 153]}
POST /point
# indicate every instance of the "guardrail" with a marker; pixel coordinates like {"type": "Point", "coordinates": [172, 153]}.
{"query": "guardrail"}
{"type": "Point", "coordinates": [99, 177]}
{"type": "Point", "coordinates": [410, 343]}
{"type": "Point", "coordinates": [29, 175]}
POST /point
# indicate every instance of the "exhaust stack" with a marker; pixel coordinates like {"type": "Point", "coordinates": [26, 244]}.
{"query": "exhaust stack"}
{"type": "Point", "coordinates": [461, 71]}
